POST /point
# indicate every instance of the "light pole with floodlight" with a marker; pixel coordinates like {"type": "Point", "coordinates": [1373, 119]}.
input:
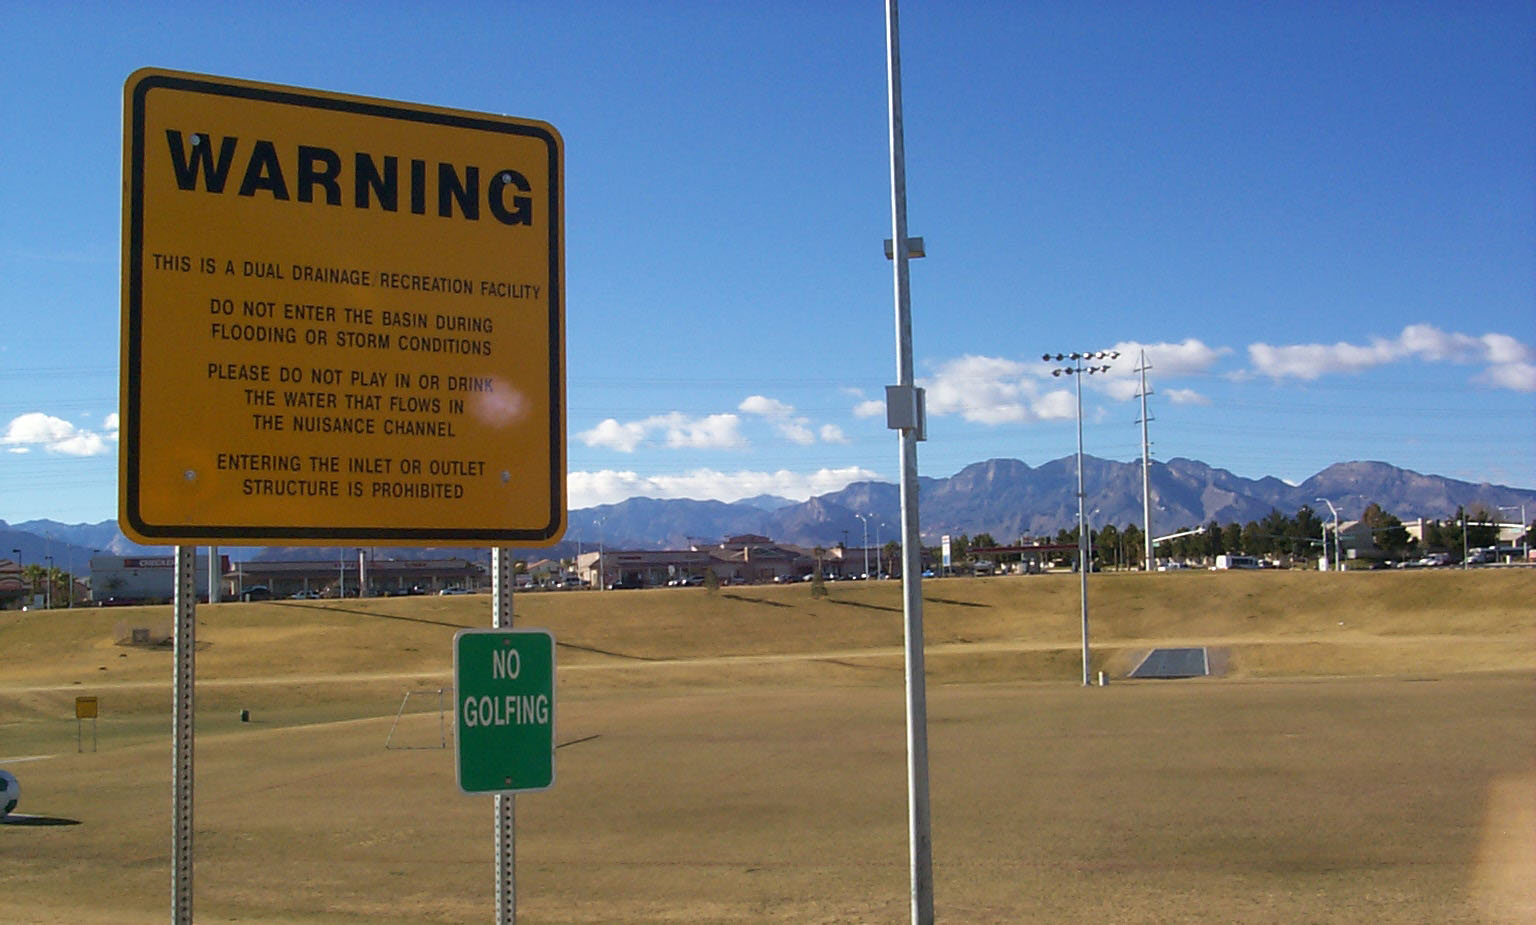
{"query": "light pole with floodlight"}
{"type": "Point", "coordinates": [1084, 550]}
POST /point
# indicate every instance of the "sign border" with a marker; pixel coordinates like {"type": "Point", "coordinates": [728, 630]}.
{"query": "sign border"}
{"type": "Point", "coordinates": [554, 739]}
{"type": "Point", "coordinates": [140, 84]}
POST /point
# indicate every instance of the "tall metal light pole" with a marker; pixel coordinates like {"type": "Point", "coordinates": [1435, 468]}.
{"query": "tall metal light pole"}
{"type": "Point", "coordinates": [865, 518]}
{"type": "Point", "coordinates": [1338, 552]}
{"type": "Point", "coordinates": [904, 412]}
{"type": "Point", "coordinates": [1084, 550]}
{"type": "Point", "coordinates": [48, 584]}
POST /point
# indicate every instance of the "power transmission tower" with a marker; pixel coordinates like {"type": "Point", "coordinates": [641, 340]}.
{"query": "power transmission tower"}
{"type": "Point", "coordinates": [1146, 465]}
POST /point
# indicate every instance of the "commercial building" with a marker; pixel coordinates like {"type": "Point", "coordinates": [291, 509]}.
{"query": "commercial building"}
{"type": "Point", "coordinates": [748, 559]}
{"type": "Point", "coordinates": [340, 578]}
{"type": "Point", "coordinates": [143, 579]}
{"type": "Point", "coordinates": [13, 587]}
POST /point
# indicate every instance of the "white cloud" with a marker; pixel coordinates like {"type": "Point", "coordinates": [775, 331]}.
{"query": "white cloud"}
{"type": "Point", "coordinates": [614, 436]}
{"type": "Point", "coordinates": [831, 433]}
{"type": "Point", "coordinates": [1518, 377]}
{"type": "Point", "coordinates": [1510, 364]}
{"type": "Point", "coordinates": [56, 435]}
{"type": "Point", "coordinates": [869, 409]}
{"type": "Point", "coordinates": [795, 428]}
{"type": "Point", "coordinates": [1311, 361]}
{"type": "Point", "coordinates": [995, 390]}
{"type": "Point", "coordinates": [1059, 405]}
{"type": "Point", "coordinates": [678, 431]}
{"type": "Point", "coordinates": [767, 407]}
{"type": "Point", "coordinates": [1184, 358]}
{"type": "Point", "coordinates": [981, 389]}
{"type": "Point", "coordinates": [712, 432]}
{"type": "Point", "coordinates": [608, 486]}
{"type": "Point", "coordinates": [1122, 389]}
{"type": "Point", "coordinates": [1185, 397]}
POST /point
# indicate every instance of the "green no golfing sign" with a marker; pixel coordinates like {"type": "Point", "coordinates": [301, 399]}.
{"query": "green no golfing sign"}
{"type": "Point", "coordinates": [504, 708]}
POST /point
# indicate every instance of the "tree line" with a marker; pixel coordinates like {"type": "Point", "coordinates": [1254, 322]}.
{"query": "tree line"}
{"type": "Point", "coordinates": [1275, 536]}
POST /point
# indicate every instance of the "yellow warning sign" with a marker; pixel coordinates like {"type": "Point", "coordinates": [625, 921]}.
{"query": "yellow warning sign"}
{"type": "Point", "coordinates": [85, 708]}
{"type": "Point", "coordinates": [343, 319]}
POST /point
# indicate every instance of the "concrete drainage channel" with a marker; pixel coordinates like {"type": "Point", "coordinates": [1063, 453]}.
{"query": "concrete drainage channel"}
{"type": "Point", "coordinates": [1193, 662]}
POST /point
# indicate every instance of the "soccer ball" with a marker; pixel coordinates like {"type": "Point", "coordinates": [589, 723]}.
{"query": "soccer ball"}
{"type": "Point", "coordinates": [10, 793]}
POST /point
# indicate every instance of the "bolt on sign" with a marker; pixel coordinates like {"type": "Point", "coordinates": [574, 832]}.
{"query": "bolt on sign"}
{"type": "Point", "coordinates": [343, 319]}
{"type": "Point", "coordinates": [504, 704]}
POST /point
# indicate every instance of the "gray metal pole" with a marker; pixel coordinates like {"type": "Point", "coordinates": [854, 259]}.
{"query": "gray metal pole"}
{"type": "Point", "coordinates": [181, 736]}
{"type": "Point", "coordinates": [1146, 468]}
{"type": "Point", "coordinates": [1082, 522]}
{"type": "Point", "coordinates": [920, 838]}
{"type": "Point", "coordinates": [215, 577]}
{"type": "Point", "coordinates": [506, 845]}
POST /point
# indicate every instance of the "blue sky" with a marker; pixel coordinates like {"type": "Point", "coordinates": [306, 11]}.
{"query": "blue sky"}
{"type": "Point", "coordinates": [1318, 219]}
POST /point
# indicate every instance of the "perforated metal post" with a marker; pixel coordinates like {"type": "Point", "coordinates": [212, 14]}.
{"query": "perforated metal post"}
{"type": "Point", "coordinates": [506, 845]}
{"type": "Point", "coordinates": [181, 737]}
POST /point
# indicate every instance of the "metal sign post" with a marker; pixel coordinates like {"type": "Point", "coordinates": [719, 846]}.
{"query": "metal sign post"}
{"type": "Point", "coordinates": [85, 708]}
{"type": "Point", "coordinates": [181, 737]}
{"type": "Point", "coordinates": [505, 808]}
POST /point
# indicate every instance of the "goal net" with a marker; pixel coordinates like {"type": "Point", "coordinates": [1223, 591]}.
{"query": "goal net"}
{"type": "Point", "coordinates": [422, 720]}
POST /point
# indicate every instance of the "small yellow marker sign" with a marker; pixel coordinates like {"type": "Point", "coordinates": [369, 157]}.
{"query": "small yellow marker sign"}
{"type": "Point", "coordinates": [85, 708]}
{"type": "Point", "coordinates": [343, 319]}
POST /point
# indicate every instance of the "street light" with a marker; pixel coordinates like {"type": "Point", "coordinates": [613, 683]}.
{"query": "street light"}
{"type": "Point", "coordinates": [1083, 550]}
{"type": "Point", "coordinates": [879, 552]}
{"type": "Point", "coordinates": [1338, 554]}
{"type": "Point", "coordinates": [865, 518]}
{"type": "Point", "coordinates": [48, 583]}
{"type": "Point", "coordinates": [602, 571]}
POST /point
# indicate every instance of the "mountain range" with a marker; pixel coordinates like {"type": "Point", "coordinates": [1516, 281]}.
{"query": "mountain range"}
{"type": "Point", "coordinates": [1004, 497]}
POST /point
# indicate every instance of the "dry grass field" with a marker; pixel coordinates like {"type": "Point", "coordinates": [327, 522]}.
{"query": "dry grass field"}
{"type": "Point", "coordinates": [1368, 754]}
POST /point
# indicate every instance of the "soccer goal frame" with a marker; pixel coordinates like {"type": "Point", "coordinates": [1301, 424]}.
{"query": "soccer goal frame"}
{"type": "Point", "coordinates": [442, 719]}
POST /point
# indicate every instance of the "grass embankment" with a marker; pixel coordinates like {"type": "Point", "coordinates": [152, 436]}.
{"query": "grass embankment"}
{"type": "Point", "coordinates": [340, 659]}
{"type": "Point", "coordinates": [739, 757]}
{"type": "Point", "coordinates": [963, 617]}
